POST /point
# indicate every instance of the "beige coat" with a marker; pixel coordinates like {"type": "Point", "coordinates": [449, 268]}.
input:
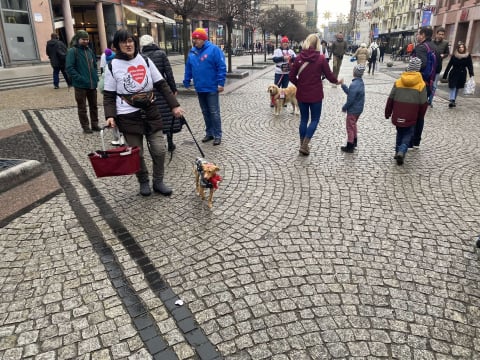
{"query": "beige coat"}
{"type": "Point", "coordinates": [362, 55]}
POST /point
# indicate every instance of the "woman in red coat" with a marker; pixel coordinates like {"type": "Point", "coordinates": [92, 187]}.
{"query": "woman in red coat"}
{"type": "Point", "coordinates": [306, 74]}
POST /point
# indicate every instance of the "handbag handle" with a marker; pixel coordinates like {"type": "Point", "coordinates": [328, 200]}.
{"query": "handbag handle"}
{"type": "Point", "coordinates": [116, 133]}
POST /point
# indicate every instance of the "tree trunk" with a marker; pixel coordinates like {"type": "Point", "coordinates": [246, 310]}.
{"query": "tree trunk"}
{"type": "Point", "coordinates": [229, 24]}
{"type": "Point", "coordinates": [185, 38]}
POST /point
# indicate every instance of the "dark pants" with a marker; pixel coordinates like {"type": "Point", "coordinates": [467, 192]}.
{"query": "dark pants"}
{"type": "Point", "coordinates": [417, 133]}
{"type": "Point", "coordinates": [81, 97]}
{"type": "Point", "coordinates": [371, 67]}
{"type": "Point", "coordinates": [56, 78]}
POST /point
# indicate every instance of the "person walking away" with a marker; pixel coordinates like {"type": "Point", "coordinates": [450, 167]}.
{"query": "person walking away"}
{"type": "Point", "coordinates": [406, 104]}
{"type": "Point", "coordinates": [442, 52]}
{"type": "Point", "coordinates": [306, 74]}
{"type": "Point", "coordinates": [354, 106]}
{"type": "Point", "coordinates": [381, 48]}
{"type": "Point", "coordinates": [128, 104]}
{"type": "Point", "coordinates": [160, 59]}
{"type": "Point", "coordinates": [283, 57]}
{"type": "Point", "coordinates": [206, 66]}
{"type": "Point", "coordinates": [362, 54]}
{"type": "Point", "coordinates": [427, 54]}
{"type": "Point", "coordinates": [82, 68]}
{"type": "Point", "coordinates": [339, 48]}
{"type": "Point", "coordinates": [373, 57]}
{"type": "Point", "coordinates": [456, 71]}
{"type": "Point", "coordinates": [57, 53]}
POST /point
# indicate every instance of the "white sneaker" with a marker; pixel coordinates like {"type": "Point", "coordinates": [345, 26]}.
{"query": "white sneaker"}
{"type": "Point", "coordinates": [116, 143]}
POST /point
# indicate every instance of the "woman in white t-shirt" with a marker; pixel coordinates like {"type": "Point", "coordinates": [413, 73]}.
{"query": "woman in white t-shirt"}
{"type": "Point", "coordinates": [128, 103]}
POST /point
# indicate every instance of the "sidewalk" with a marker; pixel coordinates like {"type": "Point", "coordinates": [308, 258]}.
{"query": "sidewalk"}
{"type": "Point", "coordinates": [331, 256]}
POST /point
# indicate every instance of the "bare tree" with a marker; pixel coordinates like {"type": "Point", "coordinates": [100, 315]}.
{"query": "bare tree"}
{"type": "Point", "coordinates": [227, 11]}
{"type": "Point", "coordinates": [186, 9]}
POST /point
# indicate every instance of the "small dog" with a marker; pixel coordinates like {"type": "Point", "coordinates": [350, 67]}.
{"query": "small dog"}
{"type": "Point", "coordinates": [206, 177]}
{"type": "Point", "coordinates": [284, 96]}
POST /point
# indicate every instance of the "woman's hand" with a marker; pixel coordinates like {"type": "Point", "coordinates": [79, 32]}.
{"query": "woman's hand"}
{"type": "Point", "coordinates": [111, 122]}
{"type": "Point", "coordinates": [178, 112]}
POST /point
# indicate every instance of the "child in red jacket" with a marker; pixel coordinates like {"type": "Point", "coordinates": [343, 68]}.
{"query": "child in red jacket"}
{"type": "Point", "coordinates": [406, 103]}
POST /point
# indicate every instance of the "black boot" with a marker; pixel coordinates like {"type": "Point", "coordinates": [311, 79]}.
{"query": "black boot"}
{"type": "Point", "coordinates": [355, 143]}
{"type": "Point", "coordinates": [348, 148]}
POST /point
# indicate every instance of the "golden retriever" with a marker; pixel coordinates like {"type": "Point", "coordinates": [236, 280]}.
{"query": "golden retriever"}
{"type": "Point", "coordinates": [283, 96]}
{"type": "Point", "coordinates": [206, 177]}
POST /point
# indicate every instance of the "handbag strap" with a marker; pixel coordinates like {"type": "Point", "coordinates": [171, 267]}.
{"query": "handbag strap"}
{"type": "Point", "coordinates": [304, 65]}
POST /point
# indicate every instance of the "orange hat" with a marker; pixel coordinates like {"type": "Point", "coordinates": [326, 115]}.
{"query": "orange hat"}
{"type": "Point", "coordinates": [284, 39]}
{"type": "Point", "coordinates": [199, 33]}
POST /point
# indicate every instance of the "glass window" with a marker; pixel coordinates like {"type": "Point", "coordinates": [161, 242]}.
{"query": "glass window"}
{"type": "Point", "coordinates": [15, 17]}
{"type": "Point", "coordinates": [15, 4]}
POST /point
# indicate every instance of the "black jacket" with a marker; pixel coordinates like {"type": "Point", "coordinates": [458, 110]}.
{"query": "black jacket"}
{"type": "Point", "coordinates": [57, 52]}
{"type": "Point", "coordinates": [456, 70]}
{"type": "Point", "coordinates": [160, 60]}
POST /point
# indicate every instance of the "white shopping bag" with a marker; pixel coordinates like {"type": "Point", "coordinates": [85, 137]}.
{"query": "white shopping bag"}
{"type": "Point", "coordinates": [469, 88]}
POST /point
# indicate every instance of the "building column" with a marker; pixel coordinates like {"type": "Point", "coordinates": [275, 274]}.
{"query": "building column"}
{"type": "Point", "coordinates": [102, 34]}
{"type": "Point", "coordinates": [67, 20]}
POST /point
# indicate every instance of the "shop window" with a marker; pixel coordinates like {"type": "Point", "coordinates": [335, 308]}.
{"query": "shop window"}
{"type": "Point", "coordinates": [14, 17]}
{"type": "Point", "coordinates": [15, 4]}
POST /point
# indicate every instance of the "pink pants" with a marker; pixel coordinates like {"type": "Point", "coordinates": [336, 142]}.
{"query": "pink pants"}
{"type": "Point", "coordinates": [352, 127]}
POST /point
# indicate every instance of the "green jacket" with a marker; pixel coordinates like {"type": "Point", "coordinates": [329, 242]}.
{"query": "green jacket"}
{"type": "Point", "coordinates": [81, 66]}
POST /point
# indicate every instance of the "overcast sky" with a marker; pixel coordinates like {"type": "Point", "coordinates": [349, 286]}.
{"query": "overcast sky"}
{"type": "Point", "coordinates": [334, 7]}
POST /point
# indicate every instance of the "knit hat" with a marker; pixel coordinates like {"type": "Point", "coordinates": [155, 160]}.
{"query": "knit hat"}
{"type": "Point", "coordinates": [358, 70]}
{"type": "Point", "coordinates": [82, 34]}
{"type": "Point", "coordinates": [363, 45]}
{"type": "Point", "coordinates": [414, 64]}
{"type": "Point", "coordinates": [109, 55]}
{"type": "Point", "coordinates": [284, 39]}
{"type": "Point", "coordinates": [146, 40]}
{"type": "Point", "coordinates": [200, 33]}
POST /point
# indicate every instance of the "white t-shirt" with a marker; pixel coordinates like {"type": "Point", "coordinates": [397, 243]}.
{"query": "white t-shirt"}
{"type": "Point", "coordinates": [130, 77]}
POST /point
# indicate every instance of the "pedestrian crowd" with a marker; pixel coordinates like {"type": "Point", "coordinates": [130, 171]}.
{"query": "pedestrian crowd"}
{"type": "Point", "coordinates": [140, 93]}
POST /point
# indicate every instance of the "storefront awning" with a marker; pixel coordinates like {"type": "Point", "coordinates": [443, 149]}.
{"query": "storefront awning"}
{"type": "Point", "coordinates": [150, 15]}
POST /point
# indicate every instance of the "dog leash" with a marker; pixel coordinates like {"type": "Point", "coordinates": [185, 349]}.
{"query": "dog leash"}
{"type": "Point", "coordinates": [191, 133]}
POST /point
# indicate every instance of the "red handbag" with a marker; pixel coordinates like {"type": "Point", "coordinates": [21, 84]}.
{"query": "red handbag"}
{"type": "Point", "coordinates": [122, 160]}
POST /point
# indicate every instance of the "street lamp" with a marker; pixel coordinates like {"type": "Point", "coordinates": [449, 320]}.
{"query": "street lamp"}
{"type": "Point", "coordinates": [254, 19]}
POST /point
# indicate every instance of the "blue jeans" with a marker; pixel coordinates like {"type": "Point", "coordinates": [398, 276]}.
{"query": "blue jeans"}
{"type": "Point", "coordinates": [453, 93]}
{"type": "Point", "coordinates": [404, 138]}
{"type": "Point", "coordinates": [434, 88]}
{"type": "Point", "coordinates": [282, 82]}
{"type": "Point", "coordinates": [307, 110]}
{"type": "Point", "coordinates": [417, 132]}
{"type": "Point", "coordinates": [210, 105]}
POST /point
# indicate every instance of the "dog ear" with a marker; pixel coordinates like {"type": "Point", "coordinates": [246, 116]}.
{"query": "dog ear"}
{"type": "Point", "coordinates": [216, 168]}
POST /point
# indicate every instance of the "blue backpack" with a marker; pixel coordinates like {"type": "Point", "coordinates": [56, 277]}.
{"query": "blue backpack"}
{"type": "Point", "coordinates": [430, 70]}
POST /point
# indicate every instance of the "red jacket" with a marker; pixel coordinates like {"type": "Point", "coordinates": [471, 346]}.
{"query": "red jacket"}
{"type": "Point", "coordinates": [309, 83]}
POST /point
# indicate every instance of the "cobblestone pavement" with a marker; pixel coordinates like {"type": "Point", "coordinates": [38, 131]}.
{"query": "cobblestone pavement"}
{"type": "Point", "coordinates": [330, 256]}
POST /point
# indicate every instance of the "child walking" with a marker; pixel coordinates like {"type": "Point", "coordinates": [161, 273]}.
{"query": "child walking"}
{"type": "Point", "coordinates": [354, 106]}
{"type": "Point", "coordinates": [406, 104]}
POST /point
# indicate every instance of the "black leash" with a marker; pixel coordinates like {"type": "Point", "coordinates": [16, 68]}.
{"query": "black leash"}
{"type": "Point", "coordinates": [190, 130]}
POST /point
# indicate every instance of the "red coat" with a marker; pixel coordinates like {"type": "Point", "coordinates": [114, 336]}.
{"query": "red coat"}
{"type": "Point", "coordinates": [309, 83]}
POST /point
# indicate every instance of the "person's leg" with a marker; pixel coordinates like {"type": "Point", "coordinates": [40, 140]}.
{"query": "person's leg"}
{"type": "Point", "coordinates": [351, 125]}
{"type": "Point", "coordinates": [452, 96]}
{"type": "Point", "coordinates": [93, 108]}
{"type": "Point", "coordinates": [80, 98]}
{"type": "Point", "coordinates": [142, 175]}
{"type": "Point", "coordinates": [213, 101]}
{"type": "Point", "coordinates": [285, 81]}
{"type": "Point", "coordinates": [203, 101]}
{"type": "Point", "coordinates": [336, 67]}
{"type": "Point", "coordinates": [434, 88]}
{"type": "Point", "coordinates": [156, 143]}
{"type": "Point", "coordinates": [65, 76]}
{"type": "Point", "coordinates": [316, 111]}
{"type": "Point", "coordinates": [56, 71]}
{"type": "Point", "coordinates": [417, 132]}
{"type": "Point", "coordinates": [304, 115]}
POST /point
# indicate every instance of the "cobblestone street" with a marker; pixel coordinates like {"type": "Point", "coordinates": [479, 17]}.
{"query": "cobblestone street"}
{"type": "Point", "coordinates": [331, 256]}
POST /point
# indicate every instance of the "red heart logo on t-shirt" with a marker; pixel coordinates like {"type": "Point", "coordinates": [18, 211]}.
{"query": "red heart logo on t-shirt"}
{"type": "Point", "coordinates": [138, 73]}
